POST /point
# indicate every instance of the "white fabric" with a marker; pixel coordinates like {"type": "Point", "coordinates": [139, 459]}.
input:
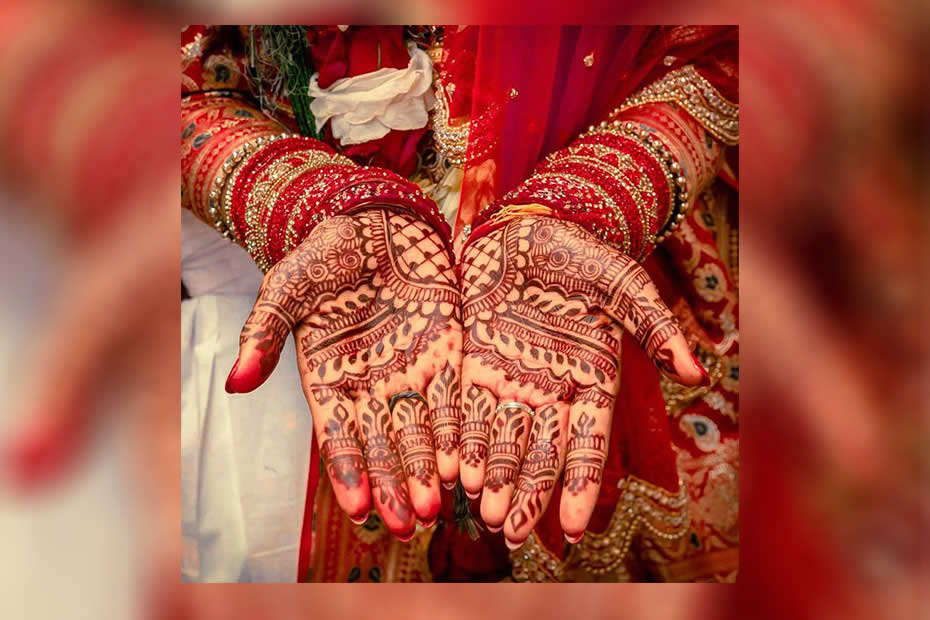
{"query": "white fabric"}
{"type": "Point", "coordinates": [212, 265]}
{"type": "Point", "coordinates": [244, 457]}
{"type": "Point", "coordinates": [366, 107]}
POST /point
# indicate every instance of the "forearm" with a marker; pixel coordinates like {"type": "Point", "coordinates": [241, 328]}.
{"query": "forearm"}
{"type": "Point", "coordinates": [631, 179]}
{"type": "Point", "coordinates": [265, 188]}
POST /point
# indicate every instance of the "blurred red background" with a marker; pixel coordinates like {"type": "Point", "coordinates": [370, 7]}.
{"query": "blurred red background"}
{"type": "Point", "coordinates": [834, 419]}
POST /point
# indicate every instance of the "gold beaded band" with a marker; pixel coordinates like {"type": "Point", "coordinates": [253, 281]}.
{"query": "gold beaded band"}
{"type": "Point", "coordinates": [693, 92]}
{"type": "Point", "coordinates": [218, 210]}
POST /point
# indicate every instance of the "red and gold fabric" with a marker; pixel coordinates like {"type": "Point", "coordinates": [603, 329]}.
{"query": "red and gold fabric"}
{"type": "Point", "coordinates": [646, 117]}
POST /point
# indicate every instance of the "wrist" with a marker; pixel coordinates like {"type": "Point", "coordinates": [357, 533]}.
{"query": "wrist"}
{"type": "Point", "coordinates": [614, 181]}
{"type": "Point", "coordinates": [279, 193]}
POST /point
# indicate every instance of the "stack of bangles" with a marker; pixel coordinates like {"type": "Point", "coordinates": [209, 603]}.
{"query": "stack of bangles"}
{"type": "Point", "coordinates": [273, 187]}
{"type": "Point", "coordinates": [618, 180]}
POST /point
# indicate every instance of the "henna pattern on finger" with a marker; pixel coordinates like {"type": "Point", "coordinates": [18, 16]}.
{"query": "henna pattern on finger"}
{"type": "Point", "coordinates": [385, 472]}
{"type": "Point", "coordinates": [540, 468]}
{"type": "Point", "coordinates": [445, 399]}
{"type": "Point", "coordinates": [586, 455]}
{"type": "Point", "coordinates": [341, 450]}
{"type": "Point", "coordinates": [506, 452]}
{"type": "Point", "coordinates": [415, 440]}
{"type": "Point", "coordinates": [637, 304]}
{"type": "Point", "coordinates": [476, 429]}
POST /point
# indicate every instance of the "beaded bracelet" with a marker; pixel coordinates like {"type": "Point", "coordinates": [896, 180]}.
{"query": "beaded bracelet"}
{"type": "Point", "coordinates": [615, 180]}
{"type": "Point", "coordinates": [265, 188]}
{"type": "Point", "coordinates": [286, 185]}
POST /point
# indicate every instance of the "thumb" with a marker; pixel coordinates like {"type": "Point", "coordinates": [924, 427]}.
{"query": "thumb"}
{"type": "Point", "coordinates": [635, 302]}
{"type": "Point", "coordinates": [273, 317]}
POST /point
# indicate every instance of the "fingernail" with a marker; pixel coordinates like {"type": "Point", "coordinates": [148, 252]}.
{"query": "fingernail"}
{"type": "Point", "coordinates": [472, 495]}
{"type": "Point", "coordinates": [574, 540]}
{"type": "Point", "coordinates": [360, 520]}
{"type": "Point", "coordinates": [494, 530]}
{"type": "Point", "coordinates": [229, 379]}
{"type": "Point", "coordinates": [448, 485]}
{"type": "Point", "coordinates": [408, 537]}
{"type": "Point", "coordinates": [430, 523]}
{"type": "Point", "coordinates": [513, 546]}
{"type": "Point", "coordinates": [705, 378]}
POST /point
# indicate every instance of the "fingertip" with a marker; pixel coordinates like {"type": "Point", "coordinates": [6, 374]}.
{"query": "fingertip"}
{"type": "Point", "coordinates": [513, 546]}
{"type": "Point", "coordinates": [472, 480]}
{"type": "Point", "coordinates": [246, 375]}
{"type": "Point", "coordinates": [407, 537]}
{"type": "Point", "coordinates": [574, 539]}
{"type": "Point", "coordinates": [704, 377]}
{"type": "Point", "coordinates": [356, 504]}
{"type": "Point", "coordinates": [230, 384]}
{"type": "Point", "coordinates": [428, 509]}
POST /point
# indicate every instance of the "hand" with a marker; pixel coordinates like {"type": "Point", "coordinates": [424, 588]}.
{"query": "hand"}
{"type": "Point", "coordinates": [374, 306]}
{"type": "Point", "coordinates": [544, 305]}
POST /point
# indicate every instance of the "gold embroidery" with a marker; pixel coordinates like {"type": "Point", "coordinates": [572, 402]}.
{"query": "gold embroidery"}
{"type": "Point", "coordinates": [689, 89]}
{"type": "Point", "coordinates": [643, 508]}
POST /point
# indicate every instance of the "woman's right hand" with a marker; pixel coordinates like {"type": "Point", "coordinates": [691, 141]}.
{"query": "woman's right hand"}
{"type": "Point", "coordinates": [374, 306]}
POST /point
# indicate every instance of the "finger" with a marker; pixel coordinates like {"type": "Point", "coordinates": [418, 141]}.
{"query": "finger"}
{"type": "Point", "coordinates": [414, 433]}
{"type": "Point", "coordinates": [445, 401]}
{"type": "Point", "coordinates": [635, 302]}
{"type": "Point", "coordinates": [336, 428]}
{"type": "Point", "coordinates": [545, 456]}
{"type": "Point", "coordinates": [509, 433]}
{"type": "Point", "coordinates": [478, 405]}
{"type": "Point", "coordinates": [585, 454]}
{"type": "Point", "coordinates": [265, 331]}
{"type": "Point", "coordinates": [389, 491]}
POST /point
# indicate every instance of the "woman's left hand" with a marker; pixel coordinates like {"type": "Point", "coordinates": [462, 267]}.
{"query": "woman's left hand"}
{"type": "Point", "coordinates": [545, 303]}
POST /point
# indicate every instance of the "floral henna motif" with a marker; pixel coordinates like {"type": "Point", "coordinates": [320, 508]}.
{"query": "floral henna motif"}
{"type": "Point", "coordinates": [415, 440]}
{"type": "Point", "coordinates": [379, 295]}
{"type": "Point", "coordinates": [540, 468]}
{"type": "Point", "coordinates": [587, 453]}
{"type": "Point", "coordinates": [534, 307]}
{"type": "Point", "coordinates": [507, 443]}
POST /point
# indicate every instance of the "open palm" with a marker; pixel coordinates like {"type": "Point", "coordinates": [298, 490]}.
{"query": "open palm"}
{"type": "Point", "coordinates": [545, 303]}
{"type": "Point", "coordinates": [373, 303]}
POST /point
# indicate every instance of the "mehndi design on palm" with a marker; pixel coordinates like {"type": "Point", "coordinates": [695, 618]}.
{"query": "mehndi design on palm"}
{"type": "Point", "coordinates": [545, 303]}
{"type": "Point", "coordinates": [373, 303]}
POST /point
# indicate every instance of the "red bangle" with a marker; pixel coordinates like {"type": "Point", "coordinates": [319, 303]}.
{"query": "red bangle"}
{"type": "Point", "coordinates": [615, 181]}
{"type": "Point", "coordinates": [288, 185]}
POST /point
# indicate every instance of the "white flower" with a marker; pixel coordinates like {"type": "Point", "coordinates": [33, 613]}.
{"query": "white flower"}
{"type": "Point", "coordinates": [366, 107]}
